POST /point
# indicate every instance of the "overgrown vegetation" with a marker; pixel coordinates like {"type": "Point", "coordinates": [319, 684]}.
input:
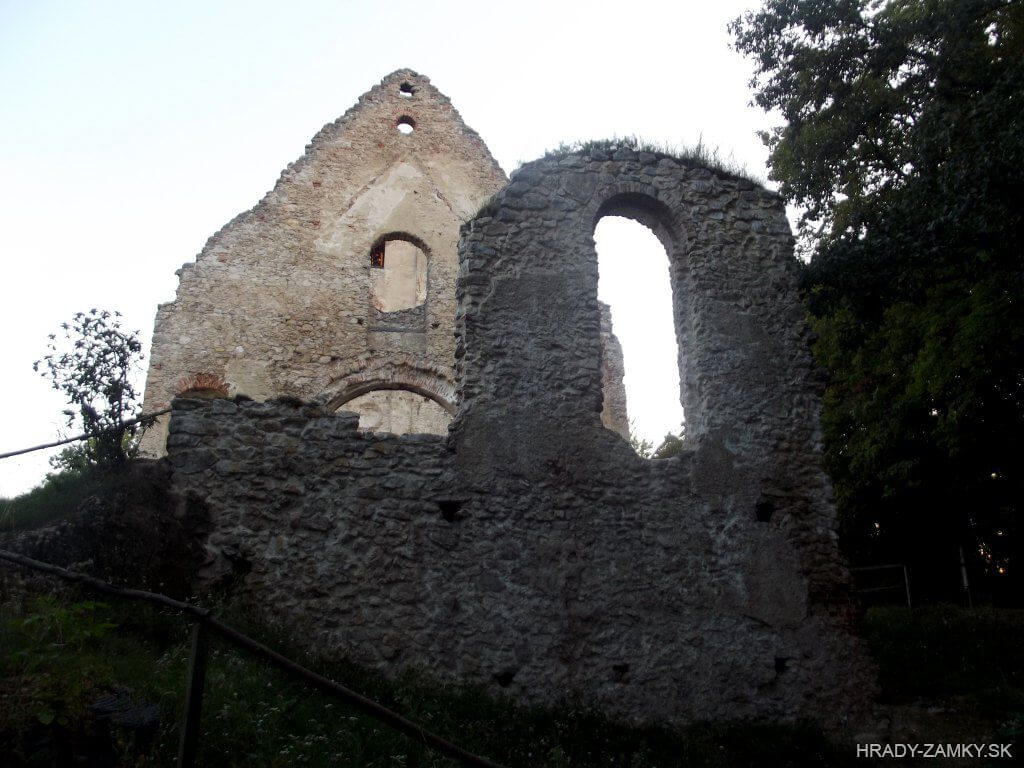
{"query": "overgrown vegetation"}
{"type": "Point", "coordinates": [671, 445]}
{"type": "Point", "coordinates": [92, 364]}
{"type": "Point", "coordinates": [54, 499]}
{"type": "Point", "coordinates": [945, 650]}
{"type": "Point", "coordinates": [86, 490]}
{"type": "Point", "coordinates": [125, 525]}
{"type": "Point", "coordinates": [902, 140]}
{"type": "Point", "coordinates": [61, 655]}
{"type": "Point", "coordinates": [972, 660]}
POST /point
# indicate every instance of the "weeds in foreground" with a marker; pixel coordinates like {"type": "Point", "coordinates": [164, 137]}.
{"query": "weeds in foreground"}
{"type": "Point", "coordinates": [62, 654]}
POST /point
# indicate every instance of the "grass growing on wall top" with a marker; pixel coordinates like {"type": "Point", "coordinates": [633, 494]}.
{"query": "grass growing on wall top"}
{"type": "Point", "coordinates": [699, 154]}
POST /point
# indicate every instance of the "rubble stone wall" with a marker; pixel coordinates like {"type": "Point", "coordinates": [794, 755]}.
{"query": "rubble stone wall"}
{"type": "Point", "coordinates": [532, 550]}
{"type": "Point", "coordinates": [284, 301]}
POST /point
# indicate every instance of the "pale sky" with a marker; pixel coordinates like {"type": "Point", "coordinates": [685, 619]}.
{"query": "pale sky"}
{"type": "Point", "coordinates": [132, 131]}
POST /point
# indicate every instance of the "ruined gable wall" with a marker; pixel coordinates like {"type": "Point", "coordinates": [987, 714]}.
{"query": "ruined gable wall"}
{"type": "Point", "coordinates": [278, 300]}
{"type": "Point", "coordinates": [533, 550]}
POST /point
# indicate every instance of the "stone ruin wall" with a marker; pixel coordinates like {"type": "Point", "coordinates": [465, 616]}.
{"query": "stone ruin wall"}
{"type": "Point", "coordinates": [281, 301]}
{"type": "Point", "coordinates": [532, 550]}
{"type": "Point", "coordinates": [284, 301]}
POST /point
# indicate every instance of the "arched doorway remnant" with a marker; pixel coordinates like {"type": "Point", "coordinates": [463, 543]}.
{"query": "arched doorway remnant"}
{"type": "Point", "coordinates": [398, 398]}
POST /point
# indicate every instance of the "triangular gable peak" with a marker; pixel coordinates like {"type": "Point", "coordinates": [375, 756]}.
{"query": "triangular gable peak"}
{"type": "Point", "coordinates": [285, 299]}
{"type": "Point", "coordinates": [402, 119]}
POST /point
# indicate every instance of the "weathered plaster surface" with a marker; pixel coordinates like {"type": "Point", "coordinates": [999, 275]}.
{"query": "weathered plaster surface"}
{"type": "Point", "coordinates": [532, 549]}
{"type": "Point", "coordinates": [399, 412]}
{"type": "Point", "coordinates": [283, 300]}
{"type": "Point", "coordinates": [402, 282]}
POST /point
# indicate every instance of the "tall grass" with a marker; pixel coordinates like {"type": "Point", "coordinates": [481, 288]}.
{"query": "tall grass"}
{"type": "Point", "coordinates": [699, 154]}
{"type": "Point", "coordinates": [62, 654]}
{"type": "Point", "coordinates": [57, 497]}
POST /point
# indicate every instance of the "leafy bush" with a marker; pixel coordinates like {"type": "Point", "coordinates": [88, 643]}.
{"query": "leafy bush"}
{"type": "Point", "coordinates": [60, 656]}
{"type": "Point", "coordinates": [93, 365]}
{"type": "Point", "coordinates": [946, 650]}
{"type": "Point", "coordinates": [56, 498]}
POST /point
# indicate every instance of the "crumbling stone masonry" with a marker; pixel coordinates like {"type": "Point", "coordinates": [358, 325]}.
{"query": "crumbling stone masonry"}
{"type": "Point", "coordinates": [339, 285]}
{"type": "Point", "coordinates": [531, 549]}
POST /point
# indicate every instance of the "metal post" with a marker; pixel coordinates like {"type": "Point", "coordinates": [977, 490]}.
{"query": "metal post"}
{"type": "Point", "coordinates": [189, 744]}
{"type": "Point", "coordinates": [906, 583]}
{"type": "Point", "coordinates": [964, 583]}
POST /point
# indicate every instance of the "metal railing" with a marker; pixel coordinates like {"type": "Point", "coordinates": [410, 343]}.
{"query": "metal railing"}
{"type": "Point", "coordinates": [86, 435]}
{"type": "Point", "coordinates": [902, 585]}
{"type": "Point", "coordinates": [206, 623]}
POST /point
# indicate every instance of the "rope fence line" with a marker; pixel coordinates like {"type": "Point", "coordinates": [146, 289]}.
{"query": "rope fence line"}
{"type": "Point", "coordinates": [208, 622]}
{"type": "Point", "coordinates": [84, 436]}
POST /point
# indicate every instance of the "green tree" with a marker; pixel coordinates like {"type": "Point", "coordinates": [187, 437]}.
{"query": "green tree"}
{"type": "Point", "coordinates": [903, 143]}
{"type": "Point", "coordinates": [92, 364]}
{"type": "Point", "coordinates": [644, 448]}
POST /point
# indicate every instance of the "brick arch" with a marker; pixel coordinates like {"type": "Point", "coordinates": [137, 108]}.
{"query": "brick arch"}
{"type": "Point", "coordinates": [208, 384]}
{"type": "Point", "coordinates": [429, 382]}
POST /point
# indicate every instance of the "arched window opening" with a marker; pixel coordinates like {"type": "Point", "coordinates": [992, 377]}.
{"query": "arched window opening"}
{"type": "Point", "coordinates": [399, 412]}
{"type": "Point", "coordinates": [398, 274]}
{"type": "Point", "coordinates": [633, 279]}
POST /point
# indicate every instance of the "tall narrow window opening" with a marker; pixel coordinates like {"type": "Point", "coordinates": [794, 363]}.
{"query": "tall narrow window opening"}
{"type": "Point", "coordinates": [398, 277]}
{"type": "Point", "coordinates": [634, 281]}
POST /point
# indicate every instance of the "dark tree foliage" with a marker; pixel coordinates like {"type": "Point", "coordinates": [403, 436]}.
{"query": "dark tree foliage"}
{"type": "Point", "coordinates": [903, 142]}
{"type": "Point", "coordinates": [92, 366]}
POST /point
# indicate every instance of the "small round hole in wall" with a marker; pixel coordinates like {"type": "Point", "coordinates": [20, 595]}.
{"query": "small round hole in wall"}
{"type": "Point", "coordinates": [405, 125]}
{"type": "Point", "coordinates": [405, 90]}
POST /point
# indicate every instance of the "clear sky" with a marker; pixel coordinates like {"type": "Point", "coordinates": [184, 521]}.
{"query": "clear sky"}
{"type": "Point", "coordinates": [131, 131]}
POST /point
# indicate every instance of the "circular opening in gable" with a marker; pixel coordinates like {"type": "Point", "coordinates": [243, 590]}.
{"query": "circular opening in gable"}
{"type": "Point", "coordinates": [405, 125]}
{"type": "Point", "coordinates": [405, 90]}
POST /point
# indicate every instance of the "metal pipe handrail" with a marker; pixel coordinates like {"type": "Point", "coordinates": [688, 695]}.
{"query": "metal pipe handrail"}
{"type": "Point", "coordinates": [207, 621]}
{"type": "Point", "coordinates": [83, 436]}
